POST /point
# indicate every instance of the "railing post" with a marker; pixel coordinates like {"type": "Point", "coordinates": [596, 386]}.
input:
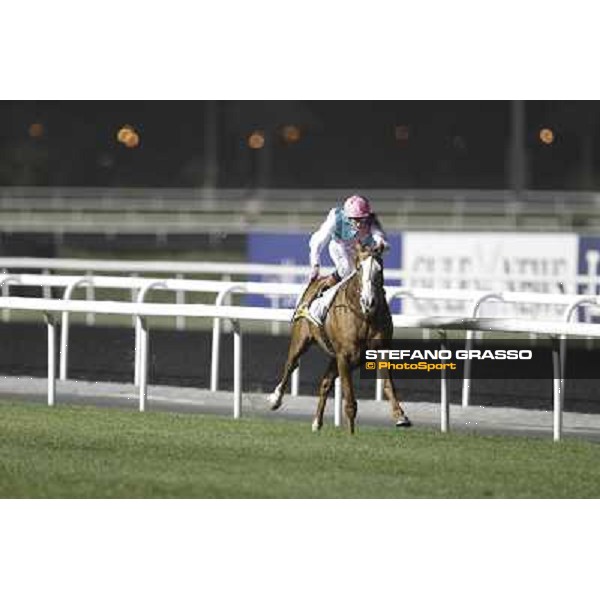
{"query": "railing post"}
{"type": "Point", "coordinates": [5, 282]}
{"type": "Point", "coordinates": [295, 380]}
{"type": "Point", "coordinates": [179, 299]}
{"type": "Point", "coordinates": [46, 289]}
{"type": "Point", "coordinates": [466, 388]}
{"type": "Point", "coordinates": [143, 374]}
{"type": "Point", "coordinates": [275, 325]}
{"type": "Point", "coordinates": [132, 295]}
{"type": "Point", "coordinates": [337, 406]}
{"type": "Point", "coordinates": [90, 318]}
{"type": "Point", "coordinates": [563, 361]}
{"type": "Point", "coordinates": [237, 369]}
{"type": "Point", "coordinates": [64, 327]}
{"type": "Point", "coordinates": [557, 391]}
{"type": "Point", "coordinates": [378, 389]}
{"type": "Point", "coordinates": [378, 381]}
{"type": "Point", "coordinates": [140, 298]}
{"type": "Point", "coordinates": [444, 404]}
{"type": "Point", "coordinates": [227, 325]}
{"type": "Point", "coordinates": [216, 337]}
{"type": "Point", "coordinates": [215, 350]}
{"type": "Point", "coordinates": [51, 327]}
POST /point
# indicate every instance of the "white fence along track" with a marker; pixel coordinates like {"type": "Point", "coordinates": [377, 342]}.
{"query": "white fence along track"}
{"type": "Point", "coordinates": [141, 310]}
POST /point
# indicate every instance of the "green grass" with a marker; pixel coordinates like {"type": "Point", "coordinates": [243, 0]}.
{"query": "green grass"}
{"type": "Point", "coordinates": [80, 452]}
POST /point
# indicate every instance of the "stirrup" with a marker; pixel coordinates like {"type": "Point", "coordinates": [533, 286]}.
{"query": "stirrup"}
{"type": "Point", "coordinates": [303, 313]}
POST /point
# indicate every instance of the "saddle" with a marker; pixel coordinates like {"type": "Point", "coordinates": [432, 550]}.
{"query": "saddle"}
{"type": "Point", "coordinates": [314, 290]}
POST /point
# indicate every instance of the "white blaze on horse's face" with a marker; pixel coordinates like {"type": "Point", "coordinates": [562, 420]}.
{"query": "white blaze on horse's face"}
{"type": "Point", "coordinates": [369, 269]}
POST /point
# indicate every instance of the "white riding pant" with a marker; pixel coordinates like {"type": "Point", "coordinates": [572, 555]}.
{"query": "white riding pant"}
{"type": "Point", "coordinates": [342, 257]}
{"type": "Point", "coordinates": [343, 261]}
{"type": "Point", "coordinates": [319, 306]}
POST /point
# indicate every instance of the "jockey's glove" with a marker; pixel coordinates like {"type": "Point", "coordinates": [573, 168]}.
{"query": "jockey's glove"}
{"type": "Point", "coordinates": [382, 247]}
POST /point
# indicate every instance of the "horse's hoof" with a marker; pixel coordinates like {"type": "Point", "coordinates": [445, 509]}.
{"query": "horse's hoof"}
{"type": "Point", "coordinates": [403, 422]}
{"type": "Point", "coordinates": [316, 426]}
{"type": "Point", "coordinates": [275, 401]}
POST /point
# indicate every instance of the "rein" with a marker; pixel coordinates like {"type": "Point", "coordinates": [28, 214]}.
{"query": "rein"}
{"type": "Point", "coordinates": [353, 309]}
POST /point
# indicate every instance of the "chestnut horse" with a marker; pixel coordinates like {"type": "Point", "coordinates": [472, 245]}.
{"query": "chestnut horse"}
{"type": "Point", "coordinates": [358, 318]}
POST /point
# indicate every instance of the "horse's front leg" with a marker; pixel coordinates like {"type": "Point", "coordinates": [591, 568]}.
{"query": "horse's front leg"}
{"type": "Point", "coordinates": [345, 373]}
{"type": "Point", "coordinates": [324, 389]}
{"type": "Point", "coordinates": [390, 393]}
{"type": "Point", "coordinates": [301, 339]}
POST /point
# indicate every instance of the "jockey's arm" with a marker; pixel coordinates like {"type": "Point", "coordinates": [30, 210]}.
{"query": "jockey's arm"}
{"type": "Point", "coordinates": [378, 235]}
{"type": "Point", "coordinates": [320, 238]}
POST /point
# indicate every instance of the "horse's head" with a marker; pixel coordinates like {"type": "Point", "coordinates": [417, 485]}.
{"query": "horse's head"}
{"type": "Point", "coordinates": [369, 266]}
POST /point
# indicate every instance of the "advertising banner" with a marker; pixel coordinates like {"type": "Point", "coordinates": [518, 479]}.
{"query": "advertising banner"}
{"type": "Point", "coordinates": [589, 283]}
{"type": "Point", "coordinates": [589, 261]}
{"type": "Point", "coordinates": [519, 262]}
{"type": "Point", "coordinates": [278, 249]}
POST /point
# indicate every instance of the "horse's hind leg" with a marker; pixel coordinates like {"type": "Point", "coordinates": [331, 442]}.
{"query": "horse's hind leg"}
{"type": "Point", "coordinates": [299, 343]}
{"type": "Point", "coordinates": [390, 393]}
{"type": "Point", "coordinates": [324, 389]}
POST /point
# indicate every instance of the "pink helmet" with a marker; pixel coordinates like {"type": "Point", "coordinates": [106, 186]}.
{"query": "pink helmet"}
{"type": "Point", "coordinates": [357, 207]}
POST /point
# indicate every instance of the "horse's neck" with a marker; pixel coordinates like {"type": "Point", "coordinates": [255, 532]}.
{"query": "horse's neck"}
{"type": "Point", "coordinates": [352, 293]}
{"type": "Point", "coordinates": [353, 287]}
{"type": "Point", "coordinates": [353, 290]}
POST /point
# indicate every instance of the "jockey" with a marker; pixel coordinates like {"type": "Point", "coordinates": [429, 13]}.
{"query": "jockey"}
{"type": "Point", "coordinates": [342, 229]}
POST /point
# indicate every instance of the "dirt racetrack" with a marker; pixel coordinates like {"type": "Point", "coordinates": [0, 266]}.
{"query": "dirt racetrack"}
{"type": "Point", "coordinates": [182, 358]}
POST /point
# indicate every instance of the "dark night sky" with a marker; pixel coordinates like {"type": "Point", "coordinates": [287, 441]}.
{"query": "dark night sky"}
{"type": "Point", "coordinates": [342, 144]}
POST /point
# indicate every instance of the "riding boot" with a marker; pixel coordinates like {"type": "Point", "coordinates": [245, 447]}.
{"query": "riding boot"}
{"type": "Point", "coordinates": [314, 290]}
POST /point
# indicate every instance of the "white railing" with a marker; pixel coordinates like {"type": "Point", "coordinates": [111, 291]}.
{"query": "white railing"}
{"type": "Point", "coordinates": [224, 290]}
{"type": "Point", "coordinates": [146, 266]}
{"type": "Point", "coordinates": [228, 270]}
{"type": "Point", "coordinates": [142, 310]}
{"type": "Point", "coordinates": [588, 283]}
{"type": "Point", "coordinates": [51, 308]}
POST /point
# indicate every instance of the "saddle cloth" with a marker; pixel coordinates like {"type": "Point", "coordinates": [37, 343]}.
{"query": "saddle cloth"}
{"type": "Point", "coordinates": [319, 306]}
